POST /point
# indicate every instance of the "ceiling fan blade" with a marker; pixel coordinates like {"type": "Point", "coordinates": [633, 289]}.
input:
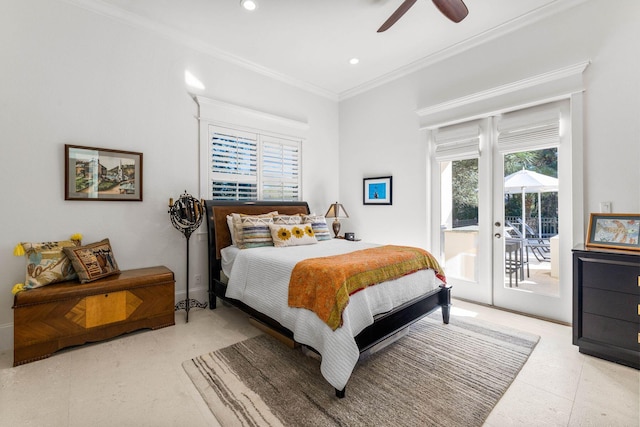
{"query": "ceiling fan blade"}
{"type": "Point", "coordinates": [455, 10]}
{"type": "Point", "coordinates": [406, 5]}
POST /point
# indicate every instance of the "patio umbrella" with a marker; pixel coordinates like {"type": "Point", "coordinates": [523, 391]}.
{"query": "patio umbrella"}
{"type": "Point", "coordinates": [525, 181]}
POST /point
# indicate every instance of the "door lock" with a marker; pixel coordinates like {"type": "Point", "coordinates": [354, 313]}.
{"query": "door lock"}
{"type": "Point", "coordinates": [498, 235]}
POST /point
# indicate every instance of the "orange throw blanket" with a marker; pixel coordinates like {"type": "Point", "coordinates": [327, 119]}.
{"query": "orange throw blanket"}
{"type": "Point", "coordinates": [323, 285]}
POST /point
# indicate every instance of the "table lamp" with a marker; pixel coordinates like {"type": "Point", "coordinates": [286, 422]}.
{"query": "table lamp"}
{"type": "Point", "coordinates": [336, 211]}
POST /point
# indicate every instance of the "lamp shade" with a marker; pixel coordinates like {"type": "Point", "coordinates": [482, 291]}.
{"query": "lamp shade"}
{"type": "Point", "coordinates": [336, 210]}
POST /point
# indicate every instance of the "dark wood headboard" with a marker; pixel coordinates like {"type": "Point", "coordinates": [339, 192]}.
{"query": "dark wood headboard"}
{"type": "Point", "coordinates": [217, 211]}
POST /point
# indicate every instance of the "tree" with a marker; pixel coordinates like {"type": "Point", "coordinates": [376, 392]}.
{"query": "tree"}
{"type": "Point", "coordinates": [465, 191]}
{"type": "Point", "coordinates": [465, 185]}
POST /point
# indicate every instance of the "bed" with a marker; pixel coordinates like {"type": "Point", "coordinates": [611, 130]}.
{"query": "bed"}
{"type": "Point", "coordinates": [373, 315]}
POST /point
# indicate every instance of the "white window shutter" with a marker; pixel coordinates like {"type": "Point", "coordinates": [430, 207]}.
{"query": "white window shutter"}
{"type": "Point", "coordinates": [280, 169]}
{"type": "Point", "coordinates": [250, 166]}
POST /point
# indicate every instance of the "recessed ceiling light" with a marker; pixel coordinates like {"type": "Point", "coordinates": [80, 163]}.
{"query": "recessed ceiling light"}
{"type": "Point", "coordinates": [249, 4]}
{"type": "Point", "coordinates": [354, 61]}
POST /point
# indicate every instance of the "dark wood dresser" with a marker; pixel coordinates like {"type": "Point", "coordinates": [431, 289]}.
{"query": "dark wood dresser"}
{"type": "Point", "coordinates": [606, 304]}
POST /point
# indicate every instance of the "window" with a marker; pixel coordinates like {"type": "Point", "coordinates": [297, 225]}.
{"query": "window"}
{"type": "Point", "coordinates": [249, 165]}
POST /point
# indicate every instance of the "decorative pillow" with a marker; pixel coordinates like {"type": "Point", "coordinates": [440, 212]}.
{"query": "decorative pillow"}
{"type": "Point", "coordinates": [292, 235]}
{"type": "Point", "coordinates": [255, 232]}
{"type": "Point", "coordinates": [94, 261]}
{"type": "Point", "coordinates": [47, 263]}
{"type": "Point", "coordinates": [236, 233]}
{"type": "Point", "coordinates": [319, 225]}
{"type": "Point", "coordinates": [287, 219]}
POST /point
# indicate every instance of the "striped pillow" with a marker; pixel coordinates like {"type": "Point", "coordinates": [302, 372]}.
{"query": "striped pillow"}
{"type": "Point", "coordinates": [255, 232]}
{"type": "Point", "coordinates": [319, 225]}
{"type": "Point", "coordinates": [236, 225]}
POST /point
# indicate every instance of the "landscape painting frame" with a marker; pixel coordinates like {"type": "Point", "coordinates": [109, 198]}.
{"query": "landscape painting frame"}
{"type": "Point", "coordinates": [614, 231]}
{"type": "Point", "coordinates": [102, 174]}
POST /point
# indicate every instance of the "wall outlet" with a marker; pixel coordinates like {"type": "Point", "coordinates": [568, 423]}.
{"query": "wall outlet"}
{"type": "Point", "coordinates": [605, 207]}
{"type": "Point", "coordinates": [197, 280]}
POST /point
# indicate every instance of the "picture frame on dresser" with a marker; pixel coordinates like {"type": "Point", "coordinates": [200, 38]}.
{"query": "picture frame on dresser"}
{"type": "Point", "coordinates": [102, 174]}
{"type": "Point", "coordinates": [614, 231]}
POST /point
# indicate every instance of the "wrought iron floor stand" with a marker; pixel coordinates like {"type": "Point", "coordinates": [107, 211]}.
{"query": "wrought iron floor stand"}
{"type": "Point", "coordinates": [189, 303]}
{"type": "Point", "coordinates": [186, 216]}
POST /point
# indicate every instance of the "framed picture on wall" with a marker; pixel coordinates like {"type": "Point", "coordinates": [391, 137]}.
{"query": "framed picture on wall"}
{"type": "Point", "coordinates": [377, 191]}
{"type": "Point", "coordinates": [102, 174]}
{"type": "Point", "coordinates": [615, 231]}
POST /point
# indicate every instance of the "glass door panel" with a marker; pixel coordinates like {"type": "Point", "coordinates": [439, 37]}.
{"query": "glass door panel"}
{"type": "Point", "coordinates": [459, 231]}
{"type": "Point", "coordinates": [531, 220]}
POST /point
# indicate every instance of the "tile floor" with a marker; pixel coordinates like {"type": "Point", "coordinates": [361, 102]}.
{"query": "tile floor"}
{"type": "Point", "coordinates": [138, 380]}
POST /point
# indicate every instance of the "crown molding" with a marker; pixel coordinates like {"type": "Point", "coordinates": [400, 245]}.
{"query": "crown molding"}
{"type": "Point", "coordinates": [110, 11]}
{"type": "Point", "coordinates": [546, 87]}
{"type": "Point", "coordinates": [494, 33]}
{"type": "Point", "coordinates": [540, 79]}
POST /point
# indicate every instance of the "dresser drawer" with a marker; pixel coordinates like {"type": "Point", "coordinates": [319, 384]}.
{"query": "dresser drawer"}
{"type": "Point", "coordinates": [611, 331]}
{"type": "Point", "coordinates": [603, 274]}
{"type": "Point", "coordinates": [616, 305]}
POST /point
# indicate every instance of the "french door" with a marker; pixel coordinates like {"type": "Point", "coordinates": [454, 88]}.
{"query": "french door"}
{"type": "Point", "coordinates": [503, 245]}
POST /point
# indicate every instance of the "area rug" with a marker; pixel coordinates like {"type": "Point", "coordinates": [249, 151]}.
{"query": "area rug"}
{"type": "Point", "coordinates": [435, 375]}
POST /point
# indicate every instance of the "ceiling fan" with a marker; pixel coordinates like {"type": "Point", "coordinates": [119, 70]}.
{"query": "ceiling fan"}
{"type": "Point", "coordinates": [455, 10]}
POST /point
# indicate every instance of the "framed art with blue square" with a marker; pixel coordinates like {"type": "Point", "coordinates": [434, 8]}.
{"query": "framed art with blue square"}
{"type": "Point", "coordinates": [377, 191]}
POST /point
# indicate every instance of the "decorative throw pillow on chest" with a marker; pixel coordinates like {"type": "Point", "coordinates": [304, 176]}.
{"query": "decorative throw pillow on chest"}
{"type": "Point", "coordinates": [47, 263]}
{"type": "Point", "coordinates": [94, 261]}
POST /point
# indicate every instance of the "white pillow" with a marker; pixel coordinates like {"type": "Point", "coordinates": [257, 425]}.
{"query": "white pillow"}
{"type": "Point", "coordinates": [292, 234]}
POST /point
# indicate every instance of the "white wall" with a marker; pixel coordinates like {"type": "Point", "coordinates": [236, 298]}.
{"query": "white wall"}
{"type": "Point", "coordinates": [70, 76]}
{"type": "Point", "coordinates": [379, 130]}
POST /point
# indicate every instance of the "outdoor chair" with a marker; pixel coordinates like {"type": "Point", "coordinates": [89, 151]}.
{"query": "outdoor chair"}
{"type": "Point", "coordinates": [540, 248]}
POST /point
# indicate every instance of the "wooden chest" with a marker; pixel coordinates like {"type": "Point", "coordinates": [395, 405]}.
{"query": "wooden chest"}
{"type": "Point", "coordinates": [65, 314]}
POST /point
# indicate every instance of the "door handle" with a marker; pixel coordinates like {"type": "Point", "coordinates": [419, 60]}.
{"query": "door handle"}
{"type": "Point", "coordinates": [498, 235]}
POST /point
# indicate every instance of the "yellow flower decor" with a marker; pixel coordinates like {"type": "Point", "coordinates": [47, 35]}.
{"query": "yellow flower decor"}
{"type": "Point", "coordinates": [284, 234]}
{"type": "Point", "coordinates": [46, 263]}
{"type": "Point", "coordinates": [309, 231]}
{"type": "Point", "coordinates": [297, 232]}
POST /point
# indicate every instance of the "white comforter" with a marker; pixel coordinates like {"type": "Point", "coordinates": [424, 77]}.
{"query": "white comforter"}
{"type": "Point", "coordinates": [260, 278]}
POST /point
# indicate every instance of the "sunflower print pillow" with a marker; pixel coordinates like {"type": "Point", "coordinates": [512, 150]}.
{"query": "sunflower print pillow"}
{"type": "Point", "coordinates": [292, 234]}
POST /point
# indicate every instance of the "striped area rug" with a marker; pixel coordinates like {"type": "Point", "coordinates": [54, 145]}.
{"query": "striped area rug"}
{"type": "Point", "coordinates": [436, 375]}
